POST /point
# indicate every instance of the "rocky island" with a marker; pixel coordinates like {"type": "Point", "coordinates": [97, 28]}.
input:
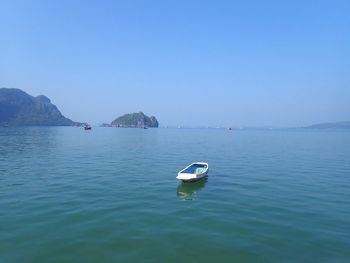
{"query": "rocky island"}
{"type": "Point", "coordinates": [135, 120]}
{"type": "Point", "coordinates": [18, 108]}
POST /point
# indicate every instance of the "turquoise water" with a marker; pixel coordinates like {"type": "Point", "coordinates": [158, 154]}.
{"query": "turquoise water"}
{"type": "Point", "coordinates": [110, 195]}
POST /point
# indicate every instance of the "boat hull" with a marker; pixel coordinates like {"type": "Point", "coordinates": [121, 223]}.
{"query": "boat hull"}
{"type": "Point", "coordinates": [192, 180]}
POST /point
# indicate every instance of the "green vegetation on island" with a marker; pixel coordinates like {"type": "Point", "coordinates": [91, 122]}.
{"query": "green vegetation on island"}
{"type": "Point", "coordinates": [18, 108]}
{"type": "Point", "coordinates": [135, 120]}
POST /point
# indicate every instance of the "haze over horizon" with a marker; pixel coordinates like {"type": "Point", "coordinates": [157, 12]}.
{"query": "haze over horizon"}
{"type": "Point", "coordinates": [210, 63]}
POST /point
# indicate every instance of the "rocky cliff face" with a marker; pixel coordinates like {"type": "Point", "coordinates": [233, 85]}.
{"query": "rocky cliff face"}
{"type": "Point", "coordinates": [135, 120]}
{"type": "Point", "coordinates": [18, 108]}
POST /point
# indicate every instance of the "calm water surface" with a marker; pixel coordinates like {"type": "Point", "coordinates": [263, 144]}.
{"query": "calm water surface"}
{"type": "Point", "coordinates": [110, 195]}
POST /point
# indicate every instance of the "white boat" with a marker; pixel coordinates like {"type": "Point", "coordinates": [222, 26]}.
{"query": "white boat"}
{"type": "Point", "coordinates": [193, 172]}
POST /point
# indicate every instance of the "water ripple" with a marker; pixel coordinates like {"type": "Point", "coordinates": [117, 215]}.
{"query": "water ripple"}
{"type": "Point", "coordinates": [111, 195]}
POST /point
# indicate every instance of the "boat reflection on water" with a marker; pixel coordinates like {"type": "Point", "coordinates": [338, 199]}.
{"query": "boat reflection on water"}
{"type": "Point", "coordinates": [188, 189]}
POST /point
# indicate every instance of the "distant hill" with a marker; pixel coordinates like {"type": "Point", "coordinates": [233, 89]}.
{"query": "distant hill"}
{"type": "Point", "coordinates": [135, 120]}
{"type": "Point", "coordinates": [18, 108]}
{"type": "Point", "coordinates": [330, 125]}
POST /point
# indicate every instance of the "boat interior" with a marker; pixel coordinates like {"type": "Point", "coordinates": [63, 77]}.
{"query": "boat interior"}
{"type": "Point", "coordinates": [195, 169]}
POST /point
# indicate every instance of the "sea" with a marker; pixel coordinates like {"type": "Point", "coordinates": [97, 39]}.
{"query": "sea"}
{"type": "Point", "coordinates": [111, 195]}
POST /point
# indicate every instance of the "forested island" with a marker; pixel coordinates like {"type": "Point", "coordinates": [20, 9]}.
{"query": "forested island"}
{"type": "Point", "coordinates": [135, 120]}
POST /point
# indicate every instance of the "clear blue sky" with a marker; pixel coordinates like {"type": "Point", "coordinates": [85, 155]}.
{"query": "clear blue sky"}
{"type": "Point", "coordinates": [230, 63]}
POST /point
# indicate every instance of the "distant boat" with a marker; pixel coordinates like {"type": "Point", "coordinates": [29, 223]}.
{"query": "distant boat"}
{"type": "Point", "coordinates": [193, 172]}
{"type": "Point", "coordinates": [87, 127]}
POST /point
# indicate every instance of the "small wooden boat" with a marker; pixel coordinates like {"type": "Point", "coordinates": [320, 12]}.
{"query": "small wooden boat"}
{"type": "Point", "coordinates": [193, 172]}
{"type": "Point", "coordinates": [87, 127]}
